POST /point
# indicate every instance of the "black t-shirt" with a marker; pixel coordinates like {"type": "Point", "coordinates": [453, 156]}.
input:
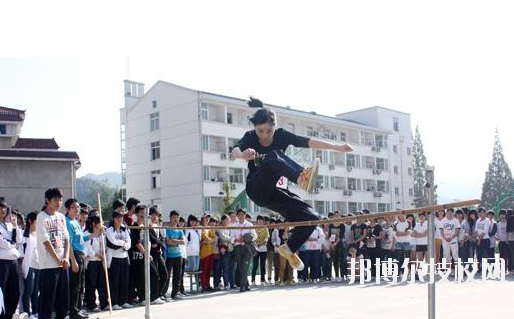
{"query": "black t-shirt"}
{"type": "Point", "coordinates": [375, 232]}
{"type": "Point", "coordinates": [358, 231]}
{"type": "Point", "coordinates": [338, 231]}
{"type": "Point", "coordinates": [135, 238]}
{"type": "Point", "coordinates": [281, 140]}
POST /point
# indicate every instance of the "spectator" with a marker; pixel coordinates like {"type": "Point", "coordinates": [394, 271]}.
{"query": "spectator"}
{"type": "Point", "coordinates": [260, 258]}
{"type": "Point", "coordinates": [53, 248]}
{"type": "Point", "coordinates": [174, 238]}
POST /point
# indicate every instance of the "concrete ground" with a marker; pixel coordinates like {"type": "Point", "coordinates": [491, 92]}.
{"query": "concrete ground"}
{"type": "Point", "coordinates": [492, 299]}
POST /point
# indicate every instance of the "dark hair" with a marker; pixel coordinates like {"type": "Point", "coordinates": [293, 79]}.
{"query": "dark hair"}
{"type": "Point", "coordinates": [491, 212]}
{"type": "Point", "coordinates": [155, 210]}
{"type": "Point", "coordinates": [69, 202]}
{"type": "Point", "coordinates": [224, 217]}
{"type": "Point", "coordinates": [259, 217]}
{"type": "Point", "coordinates": [266, 219]}
{"type": "Point", "coordinates": [131, 202]}
{"type": "Point", "coordinates": [181, 220]}
{"type": "Point", "coordinates": [117, 204]}
{"type": "Point", "coordinates": [31, 219]}
{"type": "Point", "coordinates": [263, 116]}
{"type": "Point", "coordinates": [240, 211]}
{"type": "Point", "coordinates": [94, 220]}
{"type": "Point", "coordinates": [20, 219]}
{"type": "Point", "coordinates": [232, 212]}
{"type": "Point", "coordinates": [174, 213]}
{"type": "Point", "coordinates": [248, 216]}
{"type": "Point", "coordinates": [482, 209]}
{"type": "Point", "coordinates": [138, 208]}
{"type": "Point", "coordinates": [365, 211]}
{"type": "Point", "coordinates": [272, 220]}
{"type": "Point", "coordinates": [503, 212]}
{"type": "Point", "coordinates": [330, 215]}
{"type": "Point", "coordinates": [422, 214]}
{"type": "Point", "coordinates": [459, 212]}
{"type": "Point", "coordinates": [472, 222]}
{"type": "Point", "coordinates": [53, 193]}
{"type": "Point", "coordinates": [3, 204]}
{"type": "Point", "coordinates": [85, 207]}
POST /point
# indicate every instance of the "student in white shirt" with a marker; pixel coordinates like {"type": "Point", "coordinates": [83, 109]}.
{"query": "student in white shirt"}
{"type": "Point", "coordinates": [482, 228]}
{"type": "Point", "coordinates": [463, 238]}
{"type": "Point", "coordinates": [30, 268]}
{"type": "Point", "coordinates": [492, 233]}
{"type": "Point", "coordinates": [95, 274]}
{"type": "Point", "coordinates": [53, 245]}
{"type": "Point", "coordinates": [118, 243]}
{"type": "Point", "coordinates": [420, 233]}
{"type": "Point", "coordinates": [437, 235]}
{"type": "Point", "coordinates": [402, 231]}
{"type": "Point", "coordinates": [503, 242]}
{"type": "Point", "coordinates": [241, 248]}
{"type": "Point", "coordinates": [10, 239]}
{"type": "Point", "coordinates": [449, 229]}
{"type": "Point", "coordinates": [312, 254]}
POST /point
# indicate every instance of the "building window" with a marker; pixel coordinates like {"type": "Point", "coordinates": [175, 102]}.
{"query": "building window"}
{"type": "Point", "coordinates": [369, 162]}
{"type": "Point", "coordinates": [229, 118]}
{"type": "Point", "coordinates": [395, 148]}
{"type": "Point", "coordinates": [206, 173]}
{"type": "Point", "coordinates": [343, 136]}
{"type": "Point", "coordinates": [156, 179]}
{"type": "Point", "coordinates": [207, 204]}
{"type": "Point", "coordinates": [396, 169]}
{"type": "Point", "coordinates": [236, 176]}
{"type": "Point", "coordinates": [409, 171]}
{"type": "Point", "coordinates": [395, 124]}
{"type": "Point", "coordinates": [352, 207]}
{"type": "Point", "coordinates": [205, 111]}
{"type": "Point", "coordinates": [411, 192]}
{"type": "Point", "coordinates": [382, 207]}
{"type": "Point", "coordinates": [396, 191]}
{"type": "Point", "coordinates": [352, 160]}
{"type": "Point", "coordinates": [154, 121]}
{"type": "Point", "coordinates": [3, 129]}
{"type": "Point", "coordinates": [156, 150]}
{"type": "Point", "coordinates": [154, 103]}
{"type": "Point", "coordinates": [205, 142]}
{"type": "Point", "coordinates": [408, 151]}
{"type": "Point", "coordinates": [354, 184]}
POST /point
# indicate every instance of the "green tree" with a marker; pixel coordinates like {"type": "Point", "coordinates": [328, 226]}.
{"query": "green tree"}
{"type": "Point", "coordinates": [498, 179]}
{"type": "Point", "coordinates": [419, 163]}
{"type": "Point", "coordinates": [87, 190]}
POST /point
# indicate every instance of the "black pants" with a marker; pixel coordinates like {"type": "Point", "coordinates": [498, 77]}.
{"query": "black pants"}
{"type": "Point", "coordinates": [259, 259]}
{"type": "Point", "coordinates": [118, 280]}
{"type": "Point", "coordinates": [77, 284]}
{"type": "Point", "coordinates": [9, 285]}
{"type": "Point", "coordinates": [54, 293]}
{"type": "Point", "coordinates": [262, 190]}
{"type": "Point", "coordinates": [510, 262]}
{"type": "Point", "coordinates": [174, 266]}
{"type": "Point", "coordinates": [161, 271]}
{"type": "Point", "coordinates": [374, 253]}
{"type": "Point", "coordinates": [339, 260]}
{"type": "Point", "coordinates": [95, 281]}
{"type": "Point", "coordinates": [243, 258]}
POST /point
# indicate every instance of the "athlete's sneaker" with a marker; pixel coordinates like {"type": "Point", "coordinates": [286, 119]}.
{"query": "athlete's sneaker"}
{"type": "Point", "coordinates": [308, 176]}
{"type": "Point", "coordinates": [116, 307]}
{"type": "Point", "coordinates": [291, 257]}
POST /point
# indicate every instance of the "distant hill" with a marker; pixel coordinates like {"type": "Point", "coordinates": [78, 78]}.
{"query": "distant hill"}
{"type": "Point", "coordinates": [113, 178]}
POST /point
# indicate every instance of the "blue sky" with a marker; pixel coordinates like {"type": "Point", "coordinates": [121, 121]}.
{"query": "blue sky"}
{"type": "Point", "coordinates": [448, 63]}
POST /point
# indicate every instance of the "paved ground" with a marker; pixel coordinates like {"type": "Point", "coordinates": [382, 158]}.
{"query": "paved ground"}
{"type": "Point", "coordinates": [492, 299]}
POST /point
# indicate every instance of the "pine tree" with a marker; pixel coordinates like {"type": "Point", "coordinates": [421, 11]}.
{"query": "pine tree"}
{"type": "Point", "coordinates": [419, 163]}
{"type": "Point", "coordinates": [498, 179]}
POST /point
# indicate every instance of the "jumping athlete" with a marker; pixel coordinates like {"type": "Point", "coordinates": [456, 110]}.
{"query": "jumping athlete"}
{"type": "Point", "coordinates": [264, 149]}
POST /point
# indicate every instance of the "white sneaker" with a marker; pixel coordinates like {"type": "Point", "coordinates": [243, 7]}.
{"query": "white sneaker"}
{"type": "Point", "coordinates": [23, 315]}
{"type": "Point", "coordinates": [254, 284]}
{"type": "Point", "coordinates": [142, 303]}
{"type": "Point", "coordinates": [339, 279]}
{"type": "Point", "coordinates": [33, 317]}
{"type": "Point", "coordinates": [169, 299]}
{"type": "Point", "coordinates": [227, 288]}
{"type": "Point", "coordinates": [126, 305]}
{"type": "Point", "coordinates": [116, 307]}
{"type": "Point", "coordinates": [157, 301]}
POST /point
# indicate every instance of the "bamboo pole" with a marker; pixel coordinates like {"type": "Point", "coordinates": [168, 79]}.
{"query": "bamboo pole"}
{"type": "Point", "coordinates": [104, 261]}
{"type": "Point", "coordinates": [341, 220]}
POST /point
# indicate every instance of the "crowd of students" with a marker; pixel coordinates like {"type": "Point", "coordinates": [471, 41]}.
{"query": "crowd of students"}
{"type": "Point", "coordinates": [52, 263]}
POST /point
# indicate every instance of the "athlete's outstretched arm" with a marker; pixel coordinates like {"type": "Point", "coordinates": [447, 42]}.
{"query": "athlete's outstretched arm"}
{"type": "Point", "coordinates": [321, 145]}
